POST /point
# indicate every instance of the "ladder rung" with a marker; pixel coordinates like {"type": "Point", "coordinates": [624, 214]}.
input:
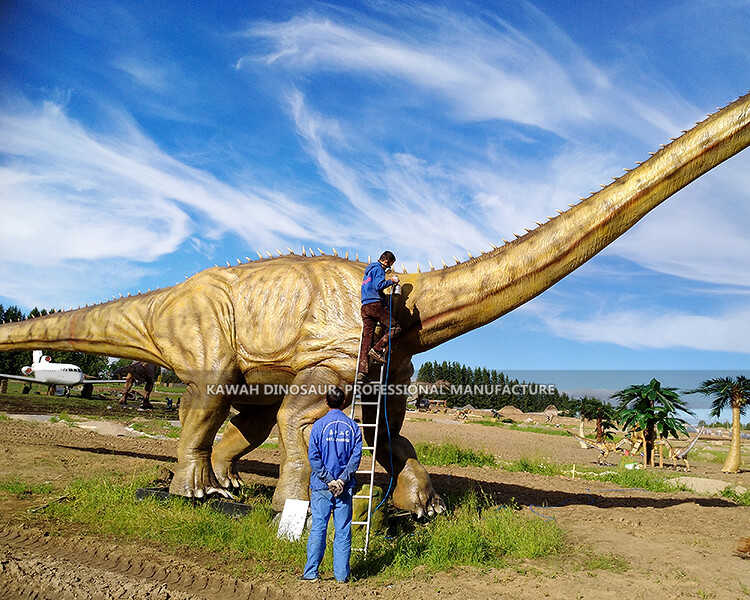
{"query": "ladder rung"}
{"type": "Point", "coordinates": [361, 496]}
{"type": "Point", "coordinates": [365, 472]}
{"type": "Point", "coordinates": [368, 403]}
{"type": "Point", "coordinates": [368, 424]}
{"type": "Point", "coordinates": [359, 522]}
{"type": "Point", "coordinates": [368, 447]}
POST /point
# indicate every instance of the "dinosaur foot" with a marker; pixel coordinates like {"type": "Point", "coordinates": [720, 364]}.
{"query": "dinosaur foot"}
{"type": "Point", "coordinates": [227, 475]}
{"type": "Point", "coordinates": [196, 479]}
{"type": "Point", "coordinates": [427, 505]}
{"type": "Point", "coordinates": [414, 492]}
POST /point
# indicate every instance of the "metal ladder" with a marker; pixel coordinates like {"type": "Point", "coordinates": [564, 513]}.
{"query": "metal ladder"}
{"type": "Point", "coordinates": [357, 401]}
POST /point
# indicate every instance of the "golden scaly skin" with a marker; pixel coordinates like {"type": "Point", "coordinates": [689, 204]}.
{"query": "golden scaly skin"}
{"type": "Point", "coordinates": [295, 319]}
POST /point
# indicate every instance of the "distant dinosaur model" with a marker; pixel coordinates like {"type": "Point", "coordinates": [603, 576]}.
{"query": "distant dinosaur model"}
{"type": "Point", "coordinates": [682, 453]}
{"type": "Point", "coordinates": [605, 448]}
{"type": "Point", "coordinates": [138, 372]}
{"type": "Point", "coordinates": [296, 320]}
{"type": "Point", "coordinates": [638, 441]}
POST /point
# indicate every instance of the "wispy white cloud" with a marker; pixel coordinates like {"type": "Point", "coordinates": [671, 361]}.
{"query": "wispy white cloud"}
{"type": "Point", "coordinates": [119, 195]}
{"type": "Point", "coordinates": [481, 68]}
{"type": "Point", "coordinates": [389, 196]}
{"type": "Point", "coordinates": [70, 283]}
{"type": "Point", "coordinates": [146, 73]}
{"type": "Point", "coordinates": [75, 194]}
{"type": "Point", "coordinates": [728, 331]}
{"type": "Point", "coordinates": [485, 68]}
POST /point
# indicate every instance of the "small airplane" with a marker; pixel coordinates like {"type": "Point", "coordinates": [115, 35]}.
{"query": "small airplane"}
{"type": "Point", "coordinates": [44, 371]}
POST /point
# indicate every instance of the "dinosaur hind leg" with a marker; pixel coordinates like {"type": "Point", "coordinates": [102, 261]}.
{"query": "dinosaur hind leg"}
{"type": "Point", "coordinates": [245, 431]}
{"type": "Point", "coordinates": [295, 417]}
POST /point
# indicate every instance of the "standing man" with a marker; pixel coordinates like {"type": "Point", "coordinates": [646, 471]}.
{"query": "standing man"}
{"type": "Point", "coordinates": [335, 451]}
{"type": "Point", "coordinates": [375, 309]}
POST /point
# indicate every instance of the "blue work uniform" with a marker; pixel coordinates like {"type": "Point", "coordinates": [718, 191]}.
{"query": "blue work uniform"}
{"type": "Point", "coordinates": [373, 284]}
{"type": "Point", "coordinates": [334, 452]}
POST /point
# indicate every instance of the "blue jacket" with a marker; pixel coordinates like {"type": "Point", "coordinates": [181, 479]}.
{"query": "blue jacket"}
{"type": "Point", "coordinates": [335, 450]}
{"type": "Point", "coordinates": [373, 284]}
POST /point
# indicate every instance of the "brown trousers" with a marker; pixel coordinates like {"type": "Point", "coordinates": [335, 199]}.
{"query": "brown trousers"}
{"type": "Point", "coordinates": [372, 314]}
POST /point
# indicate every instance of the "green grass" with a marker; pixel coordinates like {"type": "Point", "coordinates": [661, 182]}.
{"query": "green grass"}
{"type": "Point", "coordinates": [743, 499]}
{"type": "Point", "coordinates": [451, 454]}
{"type": "Point", "coordinates": [530, 465]}
{"type": "Point", "coordinates": [638, 478]}
{"type": "Point", "coordinates": [21, 489]}
{"type": "Point", "coordinates": [473, 533]}
{"type": "Point", "coordinates": [4, 417]}
{"type": "Point", "coordinates": [157, 427]}
{"type": "Point", "coordinates": [63, 417]}
{"type": "Point", "coordinates": [606, 562]}
{"type": "Point", "coordinates": [527, 428]}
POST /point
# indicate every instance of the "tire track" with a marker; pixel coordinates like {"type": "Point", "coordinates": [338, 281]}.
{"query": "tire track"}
{"type": "Point", "coordinates": [36, 565]}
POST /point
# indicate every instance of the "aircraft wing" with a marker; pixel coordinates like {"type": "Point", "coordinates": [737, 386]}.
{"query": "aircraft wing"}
{"type": "Point", "coordinates": [98, 381]}
{"type": "Point", "coordinates": [21, 378]}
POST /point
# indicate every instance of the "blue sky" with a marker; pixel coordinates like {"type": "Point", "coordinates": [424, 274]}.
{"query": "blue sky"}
{"type": "Point", "coordinates": [143, 143]}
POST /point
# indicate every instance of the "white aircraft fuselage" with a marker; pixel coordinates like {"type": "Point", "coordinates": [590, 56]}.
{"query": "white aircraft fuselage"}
{"type": "Point", "coordinates": [46, 371]}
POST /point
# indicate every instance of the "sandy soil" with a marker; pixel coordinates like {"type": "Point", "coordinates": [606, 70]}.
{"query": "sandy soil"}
{"type": "Point", "coordinates": [675, 545]}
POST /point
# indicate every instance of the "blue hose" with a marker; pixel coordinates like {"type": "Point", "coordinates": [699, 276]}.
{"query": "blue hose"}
{"type": "Point", "coordinates": [385, 396]}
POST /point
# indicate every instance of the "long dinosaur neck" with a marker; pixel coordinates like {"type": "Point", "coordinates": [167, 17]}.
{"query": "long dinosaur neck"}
{"type": "Point", "coordinates": [449, 302]}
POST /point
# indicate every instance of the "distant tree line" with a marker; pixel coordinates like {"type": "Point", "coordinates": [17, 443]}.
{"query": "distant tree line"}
{"type": "Point", "coordinates": [458, 374]}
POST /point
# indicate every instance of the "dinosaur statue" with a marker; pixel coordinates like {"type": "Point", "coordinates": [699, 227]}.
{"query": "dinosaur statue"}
{"type": "Point", "coordinates": [134, 373]}
{"type": "Point", "coordinates": [605, 447]}
{"type": "Point", "coordinates": [682, 453]}
{"type": "Point", "coordinates": [638, 440]}
{"type": "Point", "coordinates": [295, 319]}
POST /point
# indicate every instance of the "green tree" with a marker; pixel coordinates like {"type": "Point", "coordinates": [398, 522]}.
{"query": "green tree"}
{"type": "Point", "coordinates": [652, 409]}
{"type": "Point", "coordinates": [603, 413]}
{"type": "Point", "coordinates": [734, 393]}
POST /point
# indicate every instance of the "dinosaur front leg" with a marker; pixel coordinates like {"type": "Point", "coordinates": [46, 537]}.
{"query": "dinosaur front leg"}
{"type": "Point", "coordinates": [201, 415]}
{"type": "Point", "coordinates": [413, 489]}
{"type": "Point", "coordinates": [295, 417]}
{"type": "Point", "coordinates": [245, 431]}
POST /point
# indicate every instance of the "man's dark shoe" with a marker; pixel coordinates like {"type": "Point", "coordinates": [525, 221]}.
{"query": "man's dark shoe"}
{"type": "Point", "coordinates": [376, 356]}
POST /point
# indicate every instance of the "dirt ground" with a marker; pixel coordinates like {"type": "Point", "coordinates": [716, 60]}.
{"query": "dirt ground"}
{"type": "Point", "coordinates": [677, 545]}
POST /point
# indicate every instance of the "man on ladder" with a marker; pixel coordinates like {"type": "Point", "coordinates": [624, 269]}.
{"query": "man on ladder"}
{"type": "Point", "coordinates": [375, 310]}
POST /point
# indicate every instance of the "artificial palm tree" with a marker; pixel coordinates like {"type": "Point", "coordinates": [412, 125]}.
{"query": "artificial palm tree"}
{"type": "Point", "coordinates": [603, 413]}
{"type": "Point", "coordinates": [652, 409]}
{"type": "Point", "coordinates": [728, 391]}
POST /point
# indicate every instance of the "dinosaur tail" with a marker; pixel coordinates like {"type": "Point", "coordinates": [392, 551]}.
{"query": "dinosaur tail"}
{"type": "Point", "coordinates": [116, 328]}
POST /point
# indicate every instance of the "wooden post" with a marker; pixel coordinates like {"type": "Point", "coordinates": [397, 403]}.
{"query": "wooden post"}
{"type": "Point", "coordinates": [3, 386]}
